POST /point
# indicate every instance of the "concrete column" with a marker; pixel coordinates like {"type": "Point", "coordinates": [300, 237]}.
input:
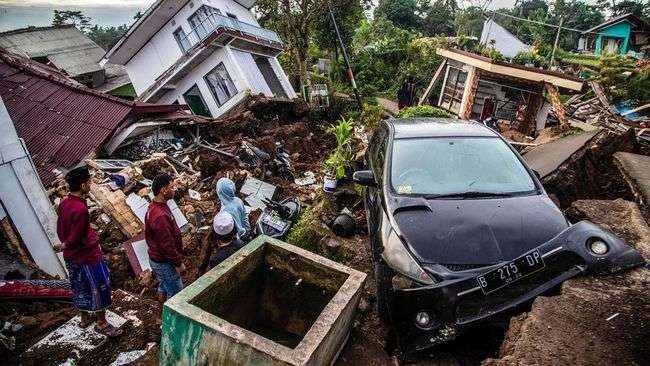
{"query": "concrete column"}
{"type": "Point", "coordinates": [25, 199]}
{"type": "Point", "coordinates": [469, 93]}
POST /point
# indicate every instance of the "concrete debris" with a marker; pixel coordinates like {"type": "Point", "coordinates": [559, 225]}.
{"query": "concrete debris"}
{"type": "Point", "coordinates": [581, 166]}
{"type": "Point", "coordinates": [635, 169]}
{"type": "Point", "coordinates": [71, 339]}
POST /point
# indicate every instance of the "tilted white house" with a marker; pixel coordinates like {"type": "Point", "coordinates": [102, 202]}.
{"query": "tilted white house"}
{"type": "Point", "coordinates": [205, 53]}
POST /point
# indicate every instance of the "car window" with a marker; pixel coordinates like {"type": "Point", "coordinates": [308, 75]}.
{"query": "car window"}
{"type": "Point", "coordinates": [379, 153]}
{"type": "Point", "coordinates": [450, 165]}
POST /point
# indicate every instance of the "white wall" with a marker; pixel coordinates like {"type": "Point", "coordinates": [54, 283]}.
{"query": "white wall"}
{"type": "Point", "coordinates": [252, 73]}
{"type": "Point", "coordinates": [196, 77]}
{"type": "Point", "coordinates": [284, 79]}
{"type": "Point", "coordinates": [505, 42]}
{"type": "Point", "coordinates": [162, 51]}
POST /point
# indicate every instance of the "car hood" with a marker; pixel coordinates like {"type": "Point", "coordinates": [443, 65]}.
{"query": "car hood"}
{"type": "Point", "coordinates": [477, 231]}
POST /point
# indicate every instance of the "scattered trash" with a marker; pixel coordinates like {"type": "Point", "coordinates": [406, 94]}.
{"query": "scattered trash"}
{"type": "Point", "coordinates": [194, 194]}
{"type": "Point", "coordinates": [256, 191]}
{"type": "Point", "coordinates": [308, 179]}
{"type": "Point", "coordinates": [613, 316]}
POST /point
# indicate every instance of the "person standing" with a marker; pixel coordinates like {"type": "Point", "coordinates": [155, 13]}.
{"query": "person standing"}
{"type": "Point", "coordinates": [164, 241]}
{"type": "Point", "coordinates": [234, 206]}
{"type": "Point", "coordinates": [226, 241]}
{"type": "Point", "coordinates": [87, 269]}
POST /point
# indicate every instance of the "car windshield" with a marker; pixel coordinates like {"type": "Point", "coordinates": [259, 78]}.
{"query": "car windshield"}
{"type": "Point", "coordinates": [447, 166]}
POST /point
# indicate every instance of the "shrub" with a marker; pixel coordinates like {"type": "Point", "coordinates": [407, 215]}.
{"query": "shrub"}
{"type": "Point", "coordinates": [340, 159]}
{"type": "Point", "coordinates": [530, 57]}
{"type": "Point", "coordinates": [423, 111]}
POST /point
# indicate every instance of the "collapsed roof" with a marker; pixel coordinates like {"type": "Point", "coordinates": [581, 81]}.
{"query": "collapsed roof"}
{"type": "Point", "coordinates": [61, 121]}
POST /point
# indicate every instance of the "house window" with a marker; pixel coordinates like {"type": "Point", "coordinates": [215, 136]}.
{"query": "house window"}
{"type": "Point", "coordinates": [195, 101]}
{"type": "Point", "coordinates": [203, 20]}
{"type": "Point", "coordinates": [220, 84]}
{"type": "Point", "coordinates": [181, 39]}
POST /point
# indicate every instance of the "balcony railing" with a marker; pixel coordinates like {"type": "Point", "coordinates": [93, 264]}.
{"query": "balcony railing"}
{"type": "Point", "coordinates": [214, 21]}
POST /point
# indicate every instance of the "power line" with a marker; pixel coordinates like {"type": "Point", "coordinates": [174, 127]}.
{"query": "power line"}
{"type": "Point", "coordinates": [547, 24]}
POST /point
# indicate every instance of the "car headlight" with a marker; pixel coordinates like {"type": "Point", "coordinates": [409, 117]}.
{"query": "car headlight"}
{"type": "Point", "coordinates": [399, 259]}
{"type": "Point", "coordinates": [598, 247]}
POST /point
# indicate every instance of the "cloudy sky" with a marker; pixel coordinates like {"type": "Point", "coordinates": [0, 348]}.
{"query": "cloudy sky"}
{"type": "Point", "coordinates": [22, 13]}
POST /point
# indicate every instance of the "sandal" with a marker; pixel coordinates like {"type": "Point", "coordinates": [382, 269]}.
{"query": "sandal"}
{"type": "Point", "coordinates": [85, 324]}
{"type": "Point", "coordinates": [109, 330]}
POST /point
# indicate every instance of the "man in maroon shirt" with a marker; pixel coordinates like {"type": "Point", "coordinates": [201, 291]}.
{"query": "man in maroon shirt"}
{"type": "Point", "coordinates": [164, 239]}
{"type": "Point", "coordinates": [89, 277]}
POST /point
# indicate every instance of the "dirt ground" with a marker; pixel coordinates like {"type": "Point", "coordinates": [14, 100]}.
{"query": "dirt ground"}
{"type": "Point", "coordinates": [606, 318]}
{"type": "Point", "coordinates": [370, 342]}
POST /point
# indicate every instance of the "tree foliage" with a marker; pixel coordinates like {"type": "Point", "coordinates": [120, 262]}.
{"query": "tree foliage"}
{"type": "Point", "coordinates": [402, 13]}
{"type": "Point", "coordinates": [105, 37]}
{"type": "Point", "coordinates": [76, 17]}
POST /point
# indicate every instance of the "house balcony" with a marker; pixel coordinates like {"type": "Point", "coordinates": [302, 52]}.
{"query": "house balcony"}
{"type": "Point", "coordinates": [216, 31]}
{"type": "Point", "coordinates": [226, 30]}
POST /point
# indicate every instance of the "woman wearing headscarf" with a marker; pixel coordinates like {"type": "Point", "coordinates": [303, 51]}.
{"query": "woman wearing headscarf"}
{"type": "Point", "coordinates": [234, 206]}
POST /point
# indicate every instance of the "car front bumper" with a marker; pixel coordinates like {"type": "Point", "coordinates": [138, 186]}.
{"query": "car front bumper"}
{"type": "Point", "coordinates": [457, 301]}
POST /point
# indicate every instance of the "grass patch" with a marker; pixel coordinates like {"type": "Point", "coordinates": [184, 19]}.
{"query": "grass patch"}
{"type": "Point", "coordinates": [303, 234]}
{"type": "Point", "coordinates": [585, 60]}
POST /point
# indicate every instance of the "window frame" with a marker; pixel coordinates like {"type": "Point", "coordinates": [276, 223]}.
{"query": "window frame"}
{"type": "Point", "coordinates": [175, 34]}
{"type": "Point", "coordinates": [213, 92]}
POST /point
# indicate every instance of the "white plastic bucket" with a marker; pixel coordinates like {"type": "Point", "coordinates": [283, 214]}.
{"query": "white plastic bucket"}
{"type": "Point", "coordinates": [329, 184]}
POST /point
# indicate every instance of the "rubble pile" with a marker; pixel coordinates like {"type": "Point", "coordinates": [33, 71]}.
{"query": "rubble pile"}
{"type": "Point", "coordinates": [273, 140]}
{"type": "Point", "coordinates": [594, 108]}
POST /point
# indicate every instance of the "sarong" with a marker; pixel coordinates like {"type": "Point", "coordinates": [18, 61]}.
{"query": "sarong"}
{"type": "Point", "coordinates": [91, 285]}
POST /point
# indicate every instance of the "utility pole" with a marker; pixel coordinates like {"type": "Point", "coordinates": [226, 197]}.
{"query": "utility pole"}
{"type": "Point", "coordinates": [347, 60]}
{"type": "Point", "coordinates": [557, 38]}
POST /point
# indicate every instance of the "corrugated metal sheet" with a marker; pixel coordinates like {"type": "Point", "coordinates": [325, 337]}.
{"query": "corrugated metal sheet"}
{"type": "Point", "coordinates": [66, 47]}
{"type": "Point", "coordinates": [60, 122]}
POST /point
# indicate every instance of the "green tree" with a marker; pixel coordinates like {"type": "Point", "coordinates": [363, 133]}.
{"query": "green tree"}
{"type": "Point", "coordinates": [469, 21]}
{"type": "Point", "coordinates": [438, 17]}
{"type": "Point", "coordinates": [402, 13]}
{"type": "Point", "coordinates": [75, 17]}
{"type": "Point", "coordinates": [106, 37]}
{"type": "Point", "coordinates": [296, 22]}
{"type": "Point", "coordinates": [629, 6]}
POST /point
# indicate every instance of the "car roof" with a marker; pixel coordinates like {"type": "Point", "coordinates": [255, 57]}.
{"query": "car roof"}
{"type": "Point", "coordinates": [438, 127]}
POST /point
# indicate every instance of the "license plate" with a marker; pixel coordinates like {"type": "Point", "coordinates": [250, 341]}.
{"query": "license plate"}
{"type": "Point", "coordinates": [510, 272]}
{"type": "Point", "coordinates": [274, 222]}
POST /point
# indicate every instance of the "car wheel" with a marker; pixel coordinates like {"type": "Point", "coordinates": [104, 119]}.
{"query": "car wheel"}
{"type": "Point", "coordinates": [385, 295]}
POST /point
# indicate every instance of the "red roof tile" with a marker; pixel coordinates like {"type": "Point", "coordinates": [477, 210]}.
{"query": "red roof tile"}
{"type": "Point", "coordinates": [60, 121]}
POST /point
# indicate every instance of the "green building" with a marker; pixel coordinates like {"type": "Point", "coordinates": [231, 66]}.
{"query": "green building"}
{"type": "Point", "coordinates": [622, 35]}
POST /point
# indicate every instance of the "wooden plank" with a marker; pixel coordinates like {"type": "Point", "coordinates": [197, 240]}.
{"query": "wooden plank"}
{"type": "Point", "coordinates": [433, 82]}
{"type": "Point", "coordinates": [637, 109]}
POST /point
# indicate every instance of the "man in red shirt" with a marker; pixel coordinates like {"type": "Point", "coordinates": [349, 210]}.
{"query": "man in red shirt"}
{"type": "Point", "coordinates": [164, 239]}
{"type": "Point", "coordinates": [89, 277]}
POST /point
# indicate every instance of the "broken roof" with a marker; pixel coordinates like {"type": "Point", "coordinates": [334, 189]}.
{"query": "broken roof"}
{"type": "Point", "coordinates": [65, 47]}
{"type": "Point", "coordinates": [630, 17]}
{"type": "Point", "coordinates": [513, 70]}
{"type": "Point", "coordinates": [61, 121]}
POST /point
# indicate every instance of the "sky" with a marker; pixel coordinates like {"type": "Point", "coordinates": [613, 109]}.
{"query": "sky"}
{"type": "Point", "coordinates": [22, 13]}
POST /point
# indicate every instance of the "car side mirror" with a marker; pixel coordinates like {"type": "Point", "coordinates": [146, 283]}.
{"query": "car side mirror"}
{"type": "Point", "coordinates": [536, 174]}
{"type": "Point", "coordinates": [364, 178]}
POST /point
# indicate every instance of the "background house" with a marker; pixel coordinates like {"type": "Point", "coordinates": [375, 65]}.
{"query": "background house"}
{"type": "Point", "coordinates": [72, 52]}
{"type": "Point", "coordinates": [619, 35]}
{"type": "Point", "coordinates": [205, 53]}
{"type": "Point", "coordinates": [499, 38]}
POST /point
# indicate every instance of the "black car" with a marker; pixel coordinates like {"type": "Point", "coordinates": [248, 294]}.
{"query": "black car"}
{"type": "Point", "coordinates": [461, 230]}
